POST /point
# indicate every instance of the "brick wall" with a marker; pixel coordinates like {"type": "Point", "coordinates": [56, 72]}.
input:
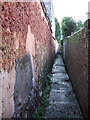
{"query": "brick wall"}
{"type": "Point", "coordinates": [26, 51]}
{"type": "Point", "coordinates": [75, 54]}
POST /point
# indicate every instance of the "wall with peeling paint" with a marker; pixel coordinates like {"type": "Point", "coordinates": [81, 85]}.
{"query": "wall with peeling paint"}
{"type": "Point", "coordinates": [27, 51]}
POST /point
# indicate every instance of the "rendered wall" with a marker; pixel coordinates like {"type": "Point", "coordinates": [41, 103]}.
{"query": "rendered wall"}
{"type": "Point", "coordinates": [75, 54]}
{"type": "Point", "coordinates": [26, 53]}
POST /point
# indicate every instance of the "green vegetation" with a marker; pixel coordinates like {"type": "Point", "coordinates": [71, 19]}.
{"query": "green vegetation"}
{"type": "Point", "coordinates": [68, 26]}
{"type": "Point", "coordinates": [79, 24]}
{"type": "Point", "coordinates": [57, 30]}
{"type": "Point", "coordinates": [40, 111]}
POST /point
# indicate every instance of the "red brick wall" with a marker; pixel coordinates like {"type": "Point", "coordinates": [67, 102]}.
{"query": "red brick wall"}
{"type": "Point", "coordinates": [25, 30]}
{"type": "Point", "coordinates": [76, 59]}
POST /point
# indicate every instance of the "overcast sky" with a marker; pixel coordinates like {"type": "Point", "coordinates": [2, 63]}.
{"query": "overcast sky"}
{"type": "Point", "coordinates": [75, 8]}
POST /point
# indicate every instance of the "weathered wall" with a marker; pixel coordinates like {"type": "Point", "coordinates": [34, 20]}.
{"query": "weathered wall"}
{"type": "Point", "coordinates": [26, 51]}
{"type": "Point", "coordinates": [75, 54]}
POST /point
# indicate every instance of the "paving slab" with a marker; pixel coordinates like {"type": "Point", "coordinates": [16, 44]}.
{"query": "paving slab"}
{"type": "Point", "coordinates": [61, 85]}
{"type": "Point", "coordinates": [63, 110]}
{"type": "Point", "coordinates": [63, 102]}
{"type": "Point", "coordinates": [62, 95]}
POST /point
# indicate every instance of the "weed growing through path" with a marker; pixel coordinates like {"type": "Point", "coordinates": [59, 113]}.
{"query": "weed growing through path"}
{"type": "Point", "coordinates": [40, 111]}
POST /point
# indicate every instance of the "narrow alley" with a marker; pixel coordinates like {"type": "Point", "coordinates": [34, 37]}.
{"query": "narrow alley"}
{"type": "Point", "coordinates": [63, 102]}
{"type": "Point", "coordinates": [30, 37]}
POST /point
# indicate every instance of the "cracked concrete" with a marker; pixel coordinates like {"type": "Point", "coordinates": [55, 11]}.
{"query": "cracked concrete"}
{"type": "Point", "coordinates": [63, 102]}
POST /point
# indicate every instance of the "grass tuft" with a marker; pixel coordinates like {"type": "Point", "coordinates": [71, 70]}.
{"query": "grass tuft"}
{"type": "Point", "coordinates": [40, 111]}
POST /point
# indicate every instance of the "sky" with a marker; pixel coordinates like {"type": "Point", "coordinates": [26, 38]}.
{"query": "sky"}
{"type": "Point", "coordinates": [75, 8]}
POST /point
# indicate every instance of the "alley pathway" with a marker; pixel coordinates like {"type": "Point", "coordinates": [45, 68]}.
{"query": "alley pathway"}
{"type": "Point", "coordinates": [63, 102]}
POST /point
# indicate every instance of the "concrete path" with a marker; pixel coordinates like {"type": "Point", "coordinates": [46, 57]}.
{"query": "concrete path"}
{"type": "Point", "coordinates": [63, 102]}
